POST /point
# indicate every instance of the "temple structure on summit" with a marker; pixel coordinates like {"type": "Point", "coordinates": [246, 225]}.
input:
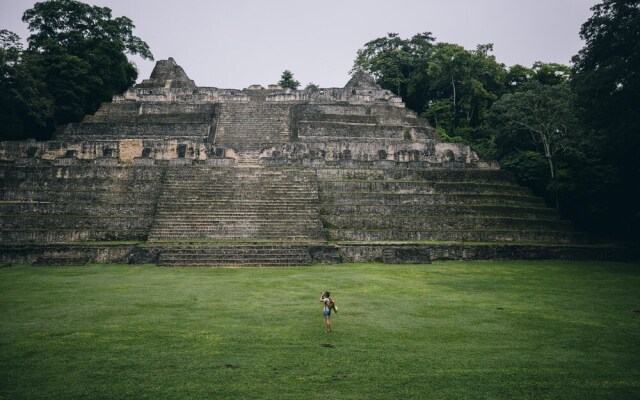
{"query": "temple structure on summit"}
{"type": "Point", "coordinates": [176, 174]}
{"type": "Point", "coordinates": [167, 119]}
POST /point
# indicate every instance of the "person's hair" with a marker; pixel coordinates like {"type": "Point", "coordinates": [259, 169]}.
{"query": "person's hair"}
{"type": "Point", "coordinates": [326, 294]}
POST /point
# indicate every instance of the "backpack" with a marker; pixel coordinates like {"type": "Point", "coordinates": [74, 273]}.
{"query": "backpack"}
{"type": "Point", "coordinates": [332, 305]}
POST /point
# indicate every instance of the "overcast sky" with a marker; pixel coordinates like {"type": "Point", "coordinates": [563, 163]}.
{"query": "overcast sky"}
{"type": "Point", "coordinates": [236, 43]}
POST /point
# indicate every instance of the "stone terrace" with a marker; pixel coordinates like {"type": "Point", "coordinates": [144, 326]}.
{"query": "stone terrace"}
{"type": "Point", "coordinates": [180, 175]}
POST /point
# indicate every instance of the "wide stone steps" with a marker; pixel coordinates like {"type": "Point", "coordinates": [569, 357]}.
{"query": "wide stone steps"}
{"type": "Point", "coordinates": [123, 196]}
{"type": "Point", "coordinates": [252, 203]}
{"type": "Point", "coordinates": [427, 175]}
{"type": "Point", "coordinates": [219, 210]}
{"type": "Point", "coordinates": [104, 185]}
{"type": "Point", "coordinates": [70, 208]}
{"type": "Point", "coordinates": [255, 202]}
{"type": "Point", "coordinates": [417, 210]}
{"type": "Point", "coordinates": [115, 131]}
{"type": "Point", "coordinates": [236, 255]}
{"type": "Point", "coordinates": [422, 187]}
{"type": "Point", "coordinates": [299, 192]}
{"type": "Point", "coordinates": [244, 229]}
{"type": "Point", "coordinates": [251, 126]}
{"type": "Point", "coordinates": [360, 205]}
{"type": "Point", "coordinates": [483, 235]}
{"type": "Point", "coordinates": [51, 204]}
{"type": "Point", "coordinates": [55, 235]}
{"type": "Point", "coordinates": [99, 173]}
{"type": "Point", "coordinates": [220, 179]}
{"type": "Point", "coordinates": [234, 235]}
{"type": "Point", "coordinates": [246, 214]}
{"type": "Point", "coordinates": [76, 221]}
{"type": "Point", "coordinates": [155, 118]}
{"type": "Point", "coordinates": [366, 198]}
{"type": "Point", "coordinates": [328, 131]}
{"type": "Point", "coordinates": [442, 223]}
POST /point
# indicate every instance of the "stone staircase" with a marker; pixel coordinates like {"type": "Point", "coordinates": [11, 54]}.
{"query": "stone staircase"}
{"type": "Point", "coordinates": [314, 123]}
{"type": "Point", "coordinates": [132, 120]}
{"type": "Point", "coordinates": [47, 204]}
{"type": "Point", "coordinates": [248, 159]}
{"type": "Point", "coordinates": [253, 126]}
{"type": "Point", "coordinates": [231, 216]}
{"type": "Point", "coordinates": [236, 255]}
{"type": "Point", "coordinates": [435, 206]}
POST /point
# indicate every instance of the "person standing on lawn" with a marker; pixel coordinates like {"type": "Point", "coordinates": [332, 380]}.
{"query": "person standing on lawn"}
{"type": "Point", "coordinates": [327, 301]}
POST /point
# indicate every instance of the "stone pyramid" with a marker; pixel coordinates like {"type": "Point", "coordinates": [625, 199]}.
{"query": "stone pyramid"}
{"type": "Point", "coordinates": [176, 174]}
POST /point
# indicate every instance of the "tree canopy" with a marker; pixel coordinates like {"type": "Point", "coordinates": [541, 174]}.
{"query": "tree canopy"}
{"type": "Point", "coordinates": [76, 59]}
{"type": "Point", "coordinates": [570, 133]}
{"type": "Point", "coordinates": [27, 107]}
{"type": "Point", "coordinates": [607, 86]}
{"type": "Point", "coordinates": [287, 80]}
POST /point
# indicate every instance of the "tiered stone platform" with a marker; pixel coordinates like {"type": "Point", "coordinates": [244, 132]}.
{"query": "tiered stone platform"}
{"type": "Point", "coordinates": [179, 175]}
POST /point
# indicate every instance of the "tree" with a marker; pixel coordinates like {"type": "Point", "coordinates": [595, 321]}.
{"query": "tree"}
{"type": "Point", "coordinates": [399, 65]}
{"type": "Point", "coordinates": [312, 87]}
{"type": "Point", "coordinates": [605, 71]}
{"type": "Point", "coordinates": [607, 84]}
{"type": "Point", "coordinates": [287, 80]}
{"type": "Point", "coordinates": [27, 107]}
{"type": "Point", "coordinates": [517, 76]}
{"type": "Point", "coordinates": [543, 113]}
{"type": "Point", "coordinates": [550, 73]}
{"type": "Point", "coordinates": [449, 85]}
{"type": "Point", "coordinates": [470, 80]}
{"type": "Point", "coordinates": [80, 52]}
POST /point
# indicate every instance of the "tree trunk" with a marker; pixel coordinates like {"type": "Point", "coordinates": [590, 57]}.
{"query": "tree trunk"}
{"type": "Point", "coordinates": [455, 114]}
{"type": "Point", "coordinates": [553, 177]}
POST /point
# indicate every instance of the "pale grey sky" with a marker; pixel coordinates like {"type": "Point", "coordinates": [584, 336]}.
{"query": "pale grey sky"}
{"type": "Point", "coordinates": [236, 43]}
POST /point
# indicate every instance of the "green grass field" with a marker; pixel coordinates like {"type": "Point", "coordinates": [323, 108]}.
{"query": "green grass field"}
{"type": "Point", "coordinates": [449, 330]}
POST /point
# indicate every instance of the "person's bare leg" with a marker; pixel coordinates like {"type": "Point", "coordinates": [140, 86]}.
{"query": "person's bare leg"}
{"type": "Point", "coordinates": [327, 321]}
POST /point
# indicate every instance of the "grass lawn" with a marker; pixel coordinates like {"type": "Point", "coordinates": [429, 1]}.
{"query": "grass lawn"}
{"type": "Point", "coordinates": [449, 330]}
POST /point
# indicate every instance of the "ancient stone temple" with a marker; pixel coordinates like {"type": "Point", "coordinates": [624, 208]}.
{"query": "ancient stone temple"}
{"type": "Point", "coordinates": [176, 174]}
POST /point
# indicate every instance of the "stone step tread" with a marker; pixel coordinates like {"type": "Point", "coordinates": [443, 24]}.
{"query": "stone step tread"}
{"type": "Point", "coordinates": [426, 189]}
{"type": "Point", "coordinates": [205, 187]}
{"type": "Point", "coordinates": [250, 243]}
{"type": "Point", "coordinates": [357, 194]}
{"type": "Point", "coordinates": [76, 216]}
{"type": "Point", "coordinates": [449, 230]}
{"type": "Point", "coordinates": [274, 218]}
{"type": "Point", "coordinates": [431, 199]}
{"type": "Point", "coordinates": [238, 232]}
{"type": "Point", "coordinates": [70, 201]}
{"type": "Point", "coordinates": [234, 265]}
{"type": "Point", "coordinates": [245, 226]}
{"type": "Point", "coordinates": [403, 220]}
{"type": "Point", "coordinates": [236, 224]}
{"type": "Point", "coordinates": [58, 191]}
{"type": "Point", "coordinates": [160, 239]}
{"type": "Point", "coordinates": [155, 236]}
{"type": "Point", "coordinates": [240, 257]}
{"type": "Point", "coordinates": [166, 200]}
{"type": "Point", "coordinates": [223, 212]}
{"type": "Point", "coordinates": [188, 188]}
{"type": "Point", "coordinates": [60, 229]}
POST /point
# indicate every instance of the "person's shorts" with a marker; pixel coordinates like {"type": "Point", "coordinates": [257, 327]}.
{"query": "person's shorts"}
{"type": "Point", "coordinates": [326, 313]}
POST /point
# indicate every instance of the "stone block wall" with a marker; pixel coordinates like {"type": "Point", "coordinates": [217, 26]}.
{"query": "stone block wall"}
{"type": "Point", "coordinates": [439, 206]}
{"type": "Point", "coordinates": [48, 204]}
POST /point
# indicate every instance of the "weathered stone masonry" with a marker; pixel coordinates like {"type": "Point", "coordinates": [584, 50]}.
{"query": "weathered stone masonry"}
{"type": "Point", "coordinates": [177, 174]}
